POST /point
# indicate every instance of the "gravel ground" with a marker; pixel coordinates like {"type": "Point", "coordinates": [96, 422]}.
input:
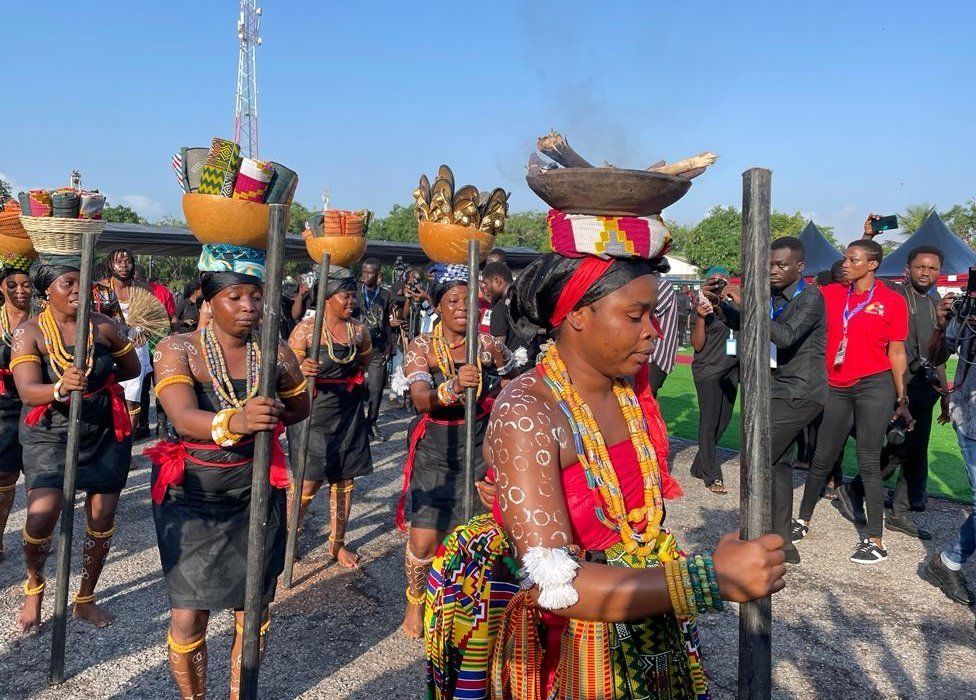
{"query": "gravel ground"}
{"type": "Point", "coordinates": [839, 630]}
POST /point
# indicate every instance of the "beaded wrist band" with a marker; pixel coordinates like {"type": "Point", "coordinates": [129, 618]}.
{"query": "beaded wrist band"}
{"type": "Point", "coordinates": [446, 395]}
{"type": "Point", "coordinates": [415, 599]}
{"type": "Point", "coordinates": [220, 428]}
{"type": "Point", "coordinates": [678, 600]}
{"type": "Point", "coordinates": [717, 603]}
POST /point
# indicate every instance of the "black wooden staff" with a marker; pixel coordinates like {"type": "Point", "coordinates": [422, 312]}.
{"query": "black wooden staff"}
{"type": "Point", "coordinates": [471, 394]}
{"type": "Point", "coordinates": [301, 447]}
{"type": "Point", "coordinates": [260, 487]}
{"type": "Point", "coordinates": [71, 463]}
{"type": "Point", "coordinates": [755, 665]}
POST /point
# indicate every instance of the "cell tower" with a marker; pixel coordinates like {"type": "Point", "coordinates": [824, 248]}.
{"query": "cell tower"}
{"type": "Point", "coordinates": [246, 115]}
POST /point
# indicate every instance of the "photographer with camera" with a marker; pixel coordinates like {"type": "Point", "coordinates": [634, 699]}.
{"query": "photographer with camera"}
{"type": "Point", "coordinates": [956, 333]}
{"type": "Point", "coordinates": [907, 450]}
{"type": "Point", "coordinates": [867, 324]}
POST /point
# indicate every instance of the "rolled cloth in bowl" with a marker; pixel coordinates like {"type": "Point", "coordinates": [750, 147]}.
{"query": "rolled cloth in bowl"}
{"type": "Point", "coordinates": [92, 204]}
{"type": "Point", "coordinates": [576, 235]}
{"type": "Point", "coordinates": [252, 180]}
{"type": "Point", "coordinates": [283, 184]}
{"type": "Point", "coordinates": [194, 158]}
{"type": "Point", "coordinates": [24, 200]}
{"type": "Point", "coordinates": [65, 203]}
{"type": "Point", "coordinates": [40, 203]}
{"type": "Point", "coordinates": [223, 160]}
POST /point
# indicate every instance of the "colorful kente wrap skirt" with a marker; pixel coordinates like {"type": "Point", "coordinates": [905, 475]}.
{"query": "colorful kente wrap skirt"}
{"type": "Point", "coordinates": [486, 639]}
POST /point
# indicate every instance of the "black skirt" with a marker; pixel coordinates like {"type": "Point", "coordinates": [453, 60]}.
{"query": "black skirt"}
{"type": "Point", "coordinates": [11, 454]}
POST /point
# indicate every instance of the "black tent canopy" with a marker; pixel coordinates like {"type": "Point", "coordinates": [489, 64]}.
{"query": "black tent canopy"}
{"type": "Point", "coordinates": [820, 254]}
{"type": "Point", "coordinates": [175, 241]}
{"type": "Point", "coordinates": [957, 256]}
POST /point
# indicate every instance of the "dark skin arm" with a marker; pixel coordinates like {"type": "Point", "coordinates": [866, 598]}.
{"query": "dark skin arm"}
{"type": "Point", "coordinates": [423, 395]}
{"type": "Point", "coordinates": [702, 311]}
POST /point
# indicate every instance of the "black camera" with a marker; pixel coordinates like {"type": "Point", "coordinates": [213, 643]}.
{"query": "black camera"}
{"type": "Point", "coordinates": [921, 366]}
{"type": "Point", "coordinates": [965, 306]}
{"type": "Point", "coordinates": [897, 431]}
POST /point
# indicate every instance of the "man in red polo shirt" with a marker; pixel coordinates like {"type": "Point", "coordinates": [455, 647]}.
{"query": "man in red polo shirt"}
{"type": "Point", "coordinates": [867, 323]}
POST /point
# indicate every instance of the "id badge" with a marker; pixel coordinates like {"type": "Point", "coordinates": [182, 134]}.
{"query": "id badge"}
{"type": "Point", "coordinates": [772, 356]}
{"type": "Point", "coordinates": [841, 352]}
{"type": "Point", "coordinates": [730, 347]}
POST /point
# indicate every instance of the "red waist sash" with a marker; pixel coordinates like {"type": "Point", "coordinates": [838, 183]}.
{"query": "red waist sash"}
{"type": "Point", "coordinates": [5, 374]}
{"type": "Point", "coordinates": [347, 383]}
{"type": "Point", "coordinates": [171, 459]}
{"type": "Point", "coordinates": [120, 411]}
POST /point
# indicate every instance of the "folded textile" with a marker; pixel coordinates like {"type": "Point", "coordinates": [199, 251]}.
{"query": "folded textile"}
{"type": "Point", "coordinates": [225, 257]}
{"type": "Point", "coordinates": [40, 203]}
{"type": "Point", "coordinates": [576, 235]}
{"type": "Point", "coordinates": [65, 203]}
{"type": "Point", "coordinates": [92, 204]}
{"type": "Point", "coordinates": [340, 222]}
{"type": "Point", "coordinates": [211, 180]}
{"type": "Point", "coordinates": [283, 184]}
{"type": "Point", "coordinates": [24, 200]}
{"type": "Point", "coordinates": [252, 180]}
{"type": "Point", "coordinates": [179, 169]}
{"type": "Point", "coordinates": [225, 156]}
{"type": "Point", "coordinates": [194, 158]}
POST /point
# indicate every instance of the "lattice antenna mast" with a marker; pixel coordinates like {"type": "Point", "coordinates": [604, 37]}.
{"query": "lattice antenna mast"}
{"type": "Point", "coordinates": [246, 114]}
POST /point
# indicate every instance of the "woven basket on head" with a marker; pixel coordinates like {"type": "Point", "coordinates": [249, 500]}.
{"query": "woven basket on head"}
{"type": "Point", "coordinates": [56, 236]}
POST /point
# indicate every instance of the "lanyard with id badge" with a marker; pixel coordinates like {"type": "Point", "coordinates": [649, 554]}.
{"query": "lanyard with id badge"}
{"type": "Point", "coordinates": [775, 312]}
{"type": "Point", "coordinates": [850, 313]}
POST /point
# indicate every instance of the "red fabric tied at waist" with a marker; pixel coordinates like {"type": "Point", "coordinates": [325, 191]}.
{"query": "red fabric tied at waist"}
{"type": "Point", "coordinates": [414, 440]}
{"type": "Point", "coordinates": [348, 383]}
{"type": "Point", "coordinates": [120, 411]}
{"type": "Point", "coordinates": [5, 374]}
{"type": "Point", "coordinates": [171, 457]}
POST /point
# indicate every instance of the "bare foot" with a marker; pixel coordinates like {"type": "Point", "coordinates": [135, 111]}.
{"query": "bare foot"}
{"type": "Point", "coordinates": [94, 614]}
{"type": "Point", "coordinates": [346, 557]}
{"type": "Point", "coordinates": [30, 615]}
{"type": "Point", "coordinates": [413, 621]}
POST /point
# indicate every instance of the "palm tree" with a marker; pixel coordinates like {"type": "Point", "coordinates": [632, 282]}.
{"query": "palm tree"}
{"type": "Point", "coordinates": [913, 217]}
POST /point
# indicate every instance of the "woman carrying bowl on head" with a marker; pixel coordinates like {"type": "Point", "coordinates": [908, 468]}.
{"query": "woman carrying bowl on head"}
{"type": "Point", "coordinates": [15, 288]}
{"type": "Point", "coordinates": [338, 442]}
{"type": "Point", "coordinates": [42, 361]}
{"type": "Point", "coordinates": [207, 382]}
{"type": "Point", "coordinates": [438, 377]}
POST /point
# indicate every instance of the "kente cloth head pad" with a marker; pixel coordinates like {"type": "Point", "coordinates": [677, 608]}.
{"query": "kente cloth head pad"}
{"type": "Point", "coordinates": [224, 257]}
{"type": "Point", "coordinates": [9, 263]}
{"type": "Point", "coordinates": [576, 235]}
{"type": "Point", "coordinates": [451, 273]}
{"type": "Point", "coordinates": [252, 180]}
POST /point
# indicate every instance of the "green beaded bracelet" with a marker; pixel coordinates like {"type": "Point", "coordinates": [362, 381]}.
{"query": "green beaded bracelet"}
{"type": "Point", "coordinates": [712, 577]}
{"type": "Point", "coordinates": [686, 581]}
{"type": "Point", "coordinates": [696, 586]}
{"type": "Point", "coordinates": [703, 580]}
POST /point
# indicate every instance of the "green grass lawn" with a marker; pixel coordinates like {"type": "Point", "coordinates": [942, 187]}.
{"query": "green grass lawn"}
{"type": "Point", "coordinates": [947, 474]}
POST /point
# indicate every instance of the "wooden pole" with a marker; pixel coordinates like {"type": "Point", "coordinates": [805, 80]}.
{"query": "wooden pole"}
{"type": "Point", "coordinates": [71, 464]}
{"type": "Point", "coordinates": [471, 394]}
{"type": "Point", "coordinates": [260, 487]}
{"type": "Point", "coordinates": [301, 444]}
{"type": "Point", "coordinates": [755, 665]}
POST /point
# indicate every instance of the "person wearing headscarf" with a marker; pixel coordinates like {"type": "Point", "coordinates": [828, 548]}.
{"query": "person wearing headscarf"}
{"type": "Point", "coordinates": [433, 475]}
{"type": "Point", "coordinates": [15, 289]}
{"type": "Point", "coordinates": [43, 369]}
{"type": "Point", "coordinates": [338, 441]}
{"type": "Point", "coordinates": [573, 576]}
{"type": "Point", "coordinates": [207, 382]}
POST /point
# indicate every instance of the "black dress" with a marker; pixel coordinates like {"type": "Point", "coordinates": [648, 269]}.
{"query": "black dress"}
{"type": "Point", "coordinates": [437, 477]}
{"type": "Point", "coordinates": [103, 461]}
{"type": "Point", "coordinates": [338, 445]}
{"type": "Point", "coordinates": [201, 525]}
{"type": "Point", "coordinates": [11, 454]}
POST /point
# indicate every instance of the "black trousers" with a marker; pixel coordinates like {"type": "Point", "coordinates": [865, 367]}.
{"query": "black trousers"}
{"type": "Point", "coordinates": [658, 376]}
{"type": "Point", "coordinates": [911, 458]}
{"type": "Point", "coordinates": [375, 383]}
{"type": "Point", "coordinates": [867, 406]}
{"type": "Point", "coordinates": [683, 322]}
{"type": "Point", "coordinates": [789, 418]}
{"type": "Point", "coordinates": [716, 399]}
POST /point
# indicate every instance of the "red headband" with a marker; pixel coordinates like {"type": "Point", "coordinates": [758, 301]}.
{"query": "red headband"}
{"type": "Point", "coordinates": [589, 271]}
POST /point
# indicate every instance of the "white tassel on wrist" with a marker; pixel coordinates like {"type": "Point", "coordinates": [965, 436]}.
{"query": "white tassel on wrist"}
{"type": "Point", "coordinates": [553, 571]}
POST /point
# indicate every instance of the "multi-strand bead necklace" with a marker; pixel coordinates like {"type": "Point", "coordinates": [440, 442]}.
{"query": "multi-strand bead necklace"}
{"type": "Point", "coordinates": [217, 366]}
{"type": "Point", "coordinates": [5, 336]}
{"type": "Point", "coordinates": [595, 459]}
{"type": "Point", "coordinates": [350, 338]}
{"type": "Point", "coordinates": [445, 361]}
{"type": "Point", "coordinates": [58, 357]}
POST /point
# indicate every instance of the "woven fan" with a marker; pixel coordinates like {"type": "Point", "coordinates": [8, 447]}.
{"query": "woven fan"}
{"type": "Point", "coordinates": [146, 312]}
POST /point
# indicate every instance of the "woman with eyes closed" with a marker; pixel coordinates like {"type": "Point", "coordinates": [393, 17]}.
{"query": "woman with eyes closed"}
{"type": "Point", "coordinates": [576, 574]}
{"type": "Point", "coordinates": [207, 382]}
{"type": "Point", "coordinates": [434, 472]}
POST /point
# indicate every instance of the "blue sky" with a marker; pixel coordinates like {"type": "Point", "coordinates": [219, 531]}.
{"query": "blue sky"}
{"type": "Point", "coordinates": [854, 106]}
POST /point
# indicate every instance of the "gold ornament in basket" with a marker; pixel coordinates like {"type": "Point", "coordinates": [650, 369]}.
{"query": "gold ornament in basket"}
{"type": "Point", "coordinates": [343, 237]}
{"type": "Point", "coordinates": [213, 218]}
{"type": "Point", "coordinates": [54, 235]}
{"type": "Point", "coordinates": [448, 219]}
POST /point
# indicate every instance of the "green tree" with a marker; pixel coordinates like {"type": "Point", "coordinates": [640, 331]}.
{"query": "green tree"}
{"type": "Point", "coordinates": [299, 215]}
{"type": "Point", "coordinates": [680, 233]}
{"type": "Point", "coordinates": [399, 225]}
{"type": "Point", "coordinates": [828, 233]}
{"type": "Point", "coordinates": [5, 191]}
{"type": "Point", "coordinates": [913, 217]}
{"type": "Point", "coordinates": [715, 240]}
{"type": "Point", "coordinates": [781, 224]}
{"type": "Point", "coordinates": [121, 214]}
{"type": "Point", "coordinates": [961, 220]}
{"type": "Point", "coordinates": [170, 221]}
{"type": "Point", "coordinates": [525, 229]}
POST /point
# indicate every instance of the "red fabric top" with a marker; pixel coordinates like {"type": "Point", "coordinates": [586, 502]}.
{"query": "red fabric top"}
{"type": "Point", "coordinates": [165, 297]}
{"type": "Point", "coordinates": [869, 332]}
